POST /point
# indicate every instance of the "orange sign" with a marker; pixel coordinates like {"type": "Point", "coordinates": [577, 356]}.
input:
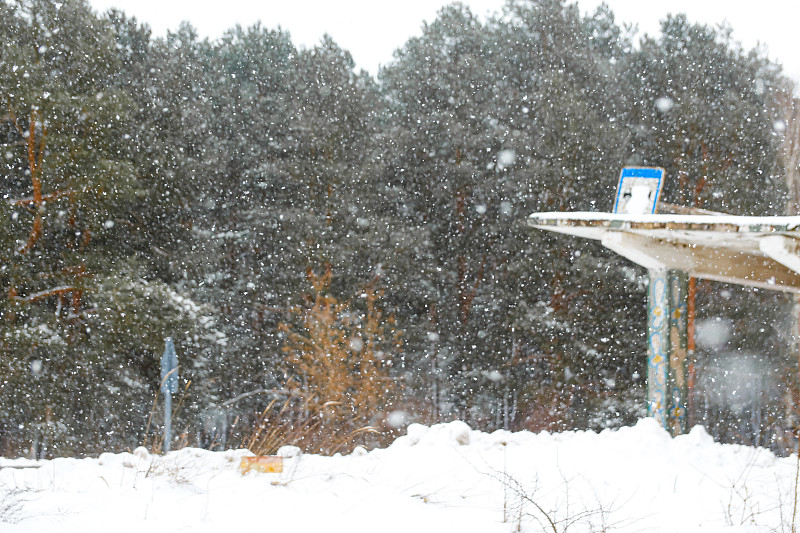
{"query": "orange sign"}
{"type": "Point", "coordinates": [266, 464]}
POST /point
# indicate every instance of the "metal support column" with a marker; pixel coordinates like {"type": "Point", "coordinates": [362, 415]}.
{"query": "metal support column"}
{"type": "Point", "coordinates": [667, 349]}
{"type": "Point", "coordinates": [657, 345]}
{"type": "Point", "coordinates": [678, 350]}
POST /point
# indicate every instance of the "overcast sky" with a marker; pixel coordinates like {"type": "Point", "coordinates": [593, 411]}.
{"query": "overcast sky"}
{"type": "Point", "coordinates": [372, 29]}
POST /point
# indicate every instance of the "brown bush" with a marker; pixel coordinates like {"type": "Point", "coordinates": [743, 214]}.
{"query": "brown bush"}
{"type": "Point", "coordinates": [338, 356]}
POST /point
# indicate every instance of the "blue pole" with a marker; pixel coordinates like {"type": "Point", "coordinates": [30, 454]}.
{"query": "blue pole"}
{"type": "Point", "coordinates": [169, 386]}
{"type": "Point", "coordinates": [167, 420]}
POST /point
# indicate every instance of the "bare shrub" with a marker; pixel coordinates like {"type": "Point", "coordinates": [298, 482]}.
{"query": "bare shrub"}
{"type": "Point", "coordinates": [298, 422]}
{"type": "Point", "coordinates": [338, 355]}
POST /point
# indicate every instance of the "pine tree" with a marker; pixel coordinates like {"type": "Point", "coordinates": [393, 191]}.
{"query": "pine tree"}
{"type": "Point", "coordinates": [704, 112]}
{"type": "Point", "coordinates": [494, 122]}
{"type": "Point", "coordinates": [84, 320]}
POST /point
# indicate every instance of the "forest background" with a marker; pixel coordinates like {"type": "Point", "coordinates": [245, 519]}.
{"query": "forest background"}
{"type": "Point", "coordinates": [357, 247]}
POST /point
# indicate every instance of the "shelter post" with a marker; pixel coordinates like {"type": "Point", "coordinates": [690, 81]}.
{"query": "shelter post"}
{"type": "Point", "coordinates": [667, 348]}
{"type": "Point", "coordinates": [657, 345]}
{"type": "Point", "coordinates": [678, 350]}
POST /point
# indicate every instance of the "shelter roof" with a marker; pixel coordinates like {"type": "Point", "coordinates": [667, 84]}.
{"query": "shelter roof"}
{"type": "Point", "coordinates": [754, 251]}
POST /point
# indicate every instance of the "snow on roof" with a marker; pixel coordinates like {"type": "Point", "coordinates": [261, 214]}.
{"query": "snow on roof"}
{"type": "Point", "coordinates": [715, 222]}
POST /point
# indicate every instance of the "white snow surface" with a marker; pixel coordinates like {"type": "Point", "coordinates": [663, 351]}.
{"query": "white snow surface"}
{"type": "Point", "coordinates": [639, 204]}
{"type": "Point", "coordinates": [792, 222]}
{"type": "Point", "coordinates": [443, 478]}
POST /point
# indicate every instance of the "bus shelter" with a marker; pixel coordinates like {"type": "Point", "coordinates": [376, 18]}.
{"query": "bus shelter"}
{"type": "Point", "coordinates": [753, 251]}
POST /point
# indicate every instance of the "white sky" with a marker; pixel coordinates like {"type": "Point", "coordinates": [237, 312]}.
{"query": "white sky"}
{"type": "Point", "coordinates": [372, 29]}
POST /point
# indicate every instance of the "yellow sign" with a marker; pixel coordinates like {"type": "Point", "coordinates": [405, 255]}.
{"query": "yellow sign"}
{"type": "Point", "coordinates": [266, 464]}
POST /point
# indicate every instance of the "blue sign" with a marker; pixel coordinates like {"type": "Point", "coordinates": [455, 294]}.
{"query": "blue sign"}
{"type": "Point", "coordinates": [638, 190]}
{"type": "Point", "coordinates": [169, 368]}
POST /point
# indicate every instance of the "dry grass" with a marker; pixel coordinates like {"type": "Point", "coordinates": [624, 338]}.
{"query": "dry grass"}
{"type": "Point", "coordinates": [11, 503]}
{"type": "Point", "coordinates": [299, 422]}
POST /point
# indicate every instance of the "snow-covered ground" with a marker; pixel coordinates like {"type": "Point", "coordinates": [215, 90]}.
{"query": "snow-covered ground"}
{"type": "Point", "coordinates": [439, 479]}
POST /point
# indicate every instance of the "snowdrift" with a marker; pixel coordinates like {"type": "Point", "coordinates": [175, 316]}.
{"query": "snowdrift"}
{"type": "Point", "coordinates": [446, 477]}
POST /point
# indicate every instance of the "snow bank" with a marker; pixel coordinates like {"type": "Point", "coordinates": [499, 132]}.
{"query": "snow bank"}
{"type": "Point", "coordinates": [442, 478]}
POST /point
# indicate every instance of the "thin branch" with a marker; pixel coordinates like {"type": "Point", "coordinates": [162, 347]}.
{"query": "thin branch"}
{"type": "Point", "coordinates": [43, 294]}
{"type": "Point", "coordinates": [44, 198]}
{"type": "Point", "coordinates": [260, 391]}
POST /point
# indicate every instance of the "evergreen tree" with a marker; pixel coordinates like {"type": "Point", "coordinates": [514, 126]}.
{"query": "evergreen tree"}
{"type": "Point", "coordinates": [185, 187]}
{"type": "Point", "coordinates": [81, 335]}
{"type": "Point", "coordinates": [704, 112]}
{"type": "Point", "coordinates": [494, 122]}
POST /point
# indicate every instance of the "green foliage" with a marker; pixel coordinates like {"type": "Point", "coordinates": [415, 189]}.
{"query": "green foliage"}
{"type": "Point", "coordinates": [704, 111]}
{"type": "Point", "coordinates": [183, 187]}
{"type": "Point", "coordinates": [493, 122]}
